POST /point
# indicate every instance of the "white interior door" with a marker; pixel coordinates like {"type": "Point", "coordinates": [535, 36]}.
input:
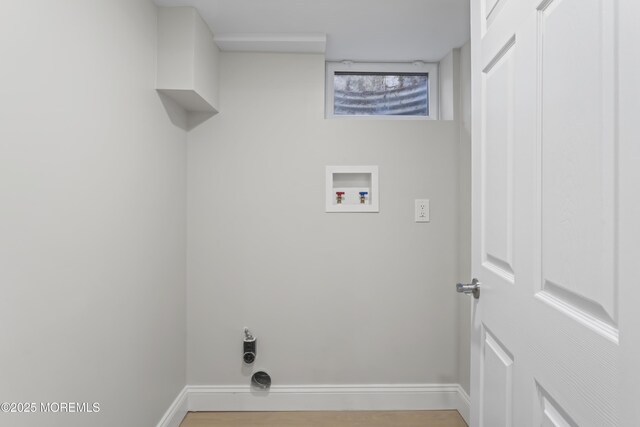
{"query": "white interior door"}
{"type": "Point", "coordinates": [546, 229]}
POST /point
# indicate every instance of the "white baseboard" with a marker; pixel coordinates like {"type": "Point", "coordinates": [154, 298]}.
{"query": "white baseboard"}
{"type": "Point", "coordinates": [465, 405]}
{"type": "Point", "coordinates": [318, 398]}
{"type": "Point", "coordinates": [177, 411]}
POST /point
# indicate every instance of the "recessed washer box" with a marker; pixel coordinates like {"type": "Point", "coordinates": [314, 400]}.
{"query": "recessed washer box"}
{"type": "Point", "coordinates": [345, 185]}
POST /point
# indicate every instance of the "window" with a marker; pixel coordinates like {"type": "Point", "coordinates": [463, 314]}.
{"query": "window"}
{"type": "Point", "coordinates": [392, 90]}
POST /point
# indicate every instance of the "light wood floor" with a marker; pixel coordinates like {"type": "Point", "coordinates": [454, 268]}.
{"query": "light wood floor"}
{"type": "Point", "coordinates": [325, 419]}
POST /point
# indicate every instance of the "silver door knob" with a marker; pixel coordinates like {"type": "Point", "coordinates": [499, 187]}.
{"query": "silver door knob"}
{"type": "Point", "coordinates": [471, 288]}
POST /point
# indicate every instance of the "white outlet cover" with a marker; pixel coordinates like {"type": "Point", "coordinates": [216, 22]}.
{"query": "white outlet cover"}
{"type": "Point", "coordinates": [422, 210]}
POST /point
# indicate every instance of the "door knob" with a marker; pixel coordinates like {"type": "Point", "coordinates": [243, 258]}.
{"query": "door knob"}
{"type": "Point", "coordinates": [470, 288]}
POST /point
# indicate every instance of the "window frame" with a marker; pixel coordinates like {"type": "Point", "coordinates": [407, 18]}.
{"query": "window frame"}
{"type": "Point", "coordinates": [382, 67]}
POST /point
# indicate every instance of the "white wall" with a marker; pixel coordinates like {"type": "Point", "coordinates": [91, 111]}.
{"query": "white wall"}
{"type": "Point", "coordinates": [464, 215]}
{"type": "Point", "coordinates": [455, 104]}
{"type": "Point", "coordinates": [92, 215]}
{"type": "Point", "coordinates": [448, 74]}
{"type": "Point", "coordinates": [333, 298]}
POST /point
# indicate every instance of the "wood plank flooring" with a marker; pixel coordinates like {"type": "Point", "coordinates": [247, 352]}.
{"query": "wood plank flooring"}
{"type": "Point", "coordinates": [325, 419]}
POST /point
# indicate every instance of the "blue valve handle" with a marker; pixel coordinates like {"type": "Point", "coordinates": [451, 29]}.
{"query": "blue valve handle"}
{"type": "Point", "coordinates": [363, 193]}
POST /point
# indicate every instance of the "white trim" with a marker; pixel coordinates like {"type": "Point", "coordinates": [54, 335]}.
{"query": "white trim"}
{"type": "Point", "coordinates": [465, 405]}
{"type": "Point", "coordinates": [177, 411]}
{"type": "Point", "coordinates": [382, 67]}
{"type": "Point", "coordinates": [382, 397]}
{"type": "Point", "coordinates": [272, 42]}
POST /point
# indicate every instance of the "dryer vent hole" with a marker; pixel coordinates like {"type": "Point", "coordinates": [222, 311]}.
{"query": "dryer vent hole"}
{"type": "Point", "coordinates": [261, 380]}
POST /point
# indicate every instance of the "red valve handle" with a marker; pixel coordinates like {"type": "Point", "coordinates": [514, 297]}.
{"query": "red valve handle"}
{"type": "Point", "coordinates": [339, 193]}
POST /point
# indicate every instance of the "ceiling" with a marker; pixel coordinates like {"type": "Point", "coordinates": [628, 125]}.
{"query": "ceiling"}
{"type": "Point", "coordinates": [356, 30]}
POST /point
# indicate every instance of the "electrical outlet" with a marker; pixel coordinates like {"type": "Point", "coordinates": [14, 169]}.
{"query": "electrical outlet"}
{"type": "Point", "coordinates": [422, 210]}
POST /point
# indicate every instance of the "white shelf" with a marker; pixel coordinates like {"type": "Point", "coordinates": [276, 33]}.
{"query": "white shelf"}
{"type": "Point", "coordinates": [351, 180]}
